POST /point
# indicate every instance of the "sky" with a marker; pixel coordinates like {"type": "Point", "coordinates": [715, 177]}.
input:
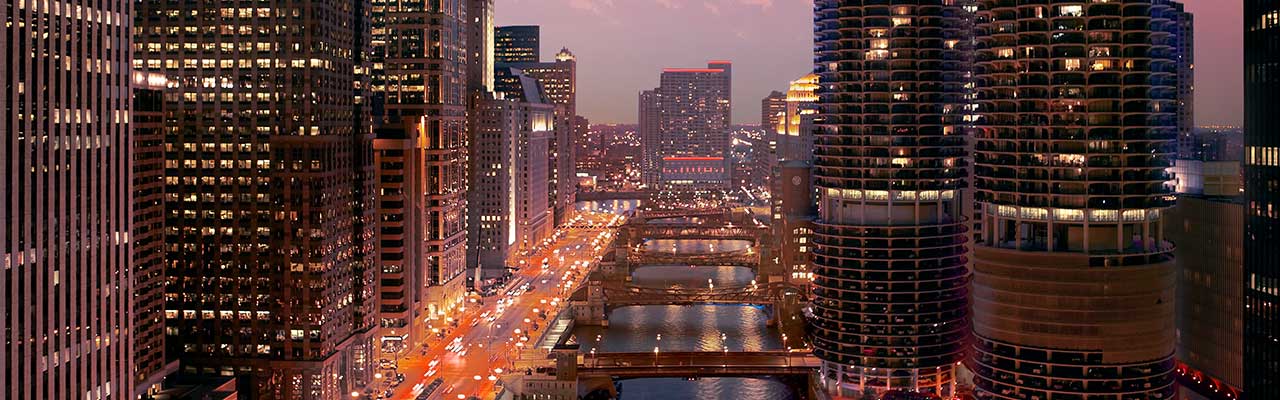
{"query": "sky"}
{"type": "Point", "coordinates": [623, 45]}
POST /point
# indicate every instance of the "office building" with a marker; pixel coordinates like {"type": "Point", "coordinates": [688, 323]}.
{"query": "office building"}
{"type": "Point", "coordinates": [647, 130]}
{"type": "Point", "coordinates": [511, 209]}
{"type": "Point", "coordinates": [269, 218]}
{"type": "Point", "coordinates": [150, 365]}
{"type": "Point", "coordinates": [771, 107]}
{"type": "Point", "coordinates": [421, 151]}
{"type": "Point", "coordinates": [890, 315]}
{"type": "Point", "coordinates": [793, 200]}
{"type": "Point", "coordinates": [1073, 278]}
{"type": "Point", "coordinates": [559, 85]}
{"type": "Point", "coordinates": [1262, 199]}
{"type": "Point", "coordinates": [1182, 27]}
{"type": "Point", "coordinates": [691, 151]}
{"type": "Point", "coordinates": [517, 44]}
{"type": "Point", "coordinates": [1207, 224]}
{"type": "Point", "coordinates": [68, 281]}
{"type": "Point", "coordinates": [480, 46]}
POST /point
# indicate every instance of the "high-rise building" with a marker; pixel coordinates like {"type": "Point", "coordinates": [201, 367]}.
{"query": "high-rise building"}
{"type": "Point", "coordinates": [517, 44]}
{"type": "Point", "coordinates": [1208, 225]}
{"type": "Point", "coordinates": [269, 218]}
{"type": "Point", "coordinates": [559, 85]}
{"type": "Point", "coordinates": [421, 153]}
{"type": "Point", "coordinates": [693, 111]}
{"type": "Point", "coordinates": [480, 45]}
{"type": "Point", "coordinates": [150, 365]}
{"type": "Point", "coordinates": [1262, 199]}
{"type": "Point", "coordinates": [647, 130]}
{"type": "Point", "coordinates": [890, 269]}
{"type": "Point", "coordinates": [790, 170]}
{"type": "Point", "coordinates": [67, 282]}
{"type": "Point", "coordinates": [512, 212]}
{"type": "Point", "coordinates": [770, 107]}
{"type": "Point", "coordinates": [1183, 29]}
{"type": "Point", "coordinates": [1073, 278]}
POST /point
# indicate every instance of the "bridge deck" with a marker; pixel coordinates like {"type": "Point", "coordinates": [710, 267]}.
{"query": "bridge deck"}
{"type": "Point", "coordinates": [686, 364]}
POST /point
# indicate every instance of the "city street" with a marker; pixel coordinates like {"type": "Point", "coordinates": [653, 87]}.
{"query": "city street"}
{"type": "Point", "coordinates": [490, 335]}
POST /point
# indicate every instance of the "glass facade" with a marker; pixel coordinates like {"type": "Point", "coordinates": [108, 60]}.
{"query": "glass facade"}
{"type": "Point", "coordinates": [1262, 195]}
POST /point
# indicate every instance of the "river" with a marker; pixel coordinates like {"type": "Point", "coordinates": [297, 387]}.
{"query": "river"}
{"type": "Point", "coordinates": [692, 328]}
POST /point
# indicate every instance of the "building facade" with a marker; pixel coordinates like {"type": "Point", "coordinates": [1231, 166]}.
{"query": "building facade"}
{"type": "Point", "coordinates": [68, 281]}
{"type": "Point", "coordinates": [647, 130]}
{"type": "Point", "coordinates": [790, 172]}
{"type": "Point", "coordinates": [1074, 279]}
{"type": "Point", "coordinates": [517, 44]}
{"type": "Point", "coordinates": [269, 222]}
{"type": "Point", "coordinates": [1208, 226]}
{"type": "Point", "coordinates": [692, 106]}
{"type": "Point", "coordinates": [1262, 199]}
{"type": "Point", "coordinates": [559, 85]}
{"type": "Point", "coordinates": [511, 191]}
{"type": "Point", "coordinates": [422, 154]}
{"type": "Point", "coordinates": [770, 107]}
{"type": "Point", "coordinates": [148, 231]}
{"type": "Point", "coordinates": [890, 315]}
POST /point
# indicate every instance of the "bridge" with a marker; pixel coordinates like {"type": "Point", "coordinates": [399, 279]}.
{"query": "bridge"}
{"type": "Point", "coordinates": [618, 294]}
{"type": "Point", "coordinates": [696, 364]}
{"type": "Point", "coordinates": [695, 232]}
{"type": "Point", "coordinates": [646, 215]}
{"type": "Point", "coordinates": [741, 258]}
{"type": "Point", "coordinates": [601, 196]}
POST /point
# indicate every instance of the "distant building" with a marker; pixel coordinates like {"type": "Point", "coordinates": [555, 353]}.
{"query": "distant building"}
{"type": "Point", "coordinates": [793, 198]}
{"type": "Point", "coordinates": [771, 107]}
{"type": "Point", "coordinates": [1262, 199]}
{"type": "Point", "coordinates": [691, 149]}
{"type": "Point", "coordinates": [647, 130]}
{"type": "Point", "coordinates": [511, 210]}
{"type": "Point", "coordinates": [559, 84]}
{"type": "Point", "coordinates": [517, 44]}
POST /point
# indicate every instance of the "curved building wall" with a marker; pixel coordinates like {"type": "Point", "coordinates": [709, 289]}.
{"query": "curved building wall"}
{"type": "Point", "coordinates": [1073, 281]}
{"type": "Point", "coordinates": [891, 265]}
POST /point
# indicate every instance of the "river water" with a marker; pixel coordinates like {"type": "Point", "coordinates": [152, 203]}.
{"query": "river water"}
{"type": "Point", "coordinates": [692, 328]}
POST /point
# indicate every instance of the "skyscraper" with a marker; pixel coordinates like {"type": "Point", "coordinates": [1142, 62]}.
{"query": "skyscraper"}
{"type": "Point", "coordinates": [517, 44]}
{"type": "Point", "coordinates": [559, 85]}
{"type": "Point", "coordinates": [268, 219]}
{"type": "Point", "coordinates": [1073, 280]}
{"type": "Point", "coordinates": [790, 170]}
{"type": "Point", "coordinates": [511, 210]}
{"type": "Point", "coordinates": [772, 105]}
{"type": "Point", "coordinates": [67, 283]}
{"type": "Point", "coordinates": [647, 130]}
{"type": "Point", "coordinates": [422, 151]}
{"type": "Point", "coordinates": [1262, 199]}
{"type": "Point", "coordinates": [890, 271]}
{"type": "Point", "coordinates": [1183, 29]}
{"type": "Point", "coordinates": [692, 147]}
{"type": "Point", "coordinates": [148, 230]}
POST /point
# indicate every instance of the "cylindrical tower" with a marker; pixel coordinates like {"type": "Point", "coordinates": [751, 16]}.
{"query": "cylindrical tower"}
{"type": "Point", "coordinates": [891, 267]}
{"type": "Point", "coordinates": [1073, 282]}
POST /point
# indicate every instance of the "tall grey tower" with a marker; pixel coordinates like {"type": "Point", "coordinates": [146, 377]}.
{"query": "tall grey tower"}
{"type": "Point", "coordinates": [890, 276]}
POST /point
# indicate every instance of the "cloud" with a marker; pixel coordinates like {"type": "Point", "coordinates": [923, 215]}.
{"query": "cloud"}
{"type": "Point", "coordinates": [594, 6]}
{"type": "Point", "coordinates": [713, 8]}
{"type": "Point", "coordinates": [762, 3]}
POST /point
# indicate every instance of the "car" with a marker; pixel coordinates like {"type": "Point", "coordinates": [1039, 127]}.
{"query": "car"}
{"type": "Point", "coordinates": [389, 394]}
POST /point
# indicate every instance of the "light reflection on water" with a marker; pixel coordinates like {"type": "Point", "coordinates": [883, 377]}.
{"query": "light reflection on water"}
{"type": "Point", "coordinates": [691, 328]}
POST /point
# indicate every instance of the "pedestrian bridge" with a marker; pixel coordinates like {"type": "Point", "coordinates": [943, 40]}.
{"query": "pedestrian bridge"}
{"type": "Point", "coordinates": [696, 364]}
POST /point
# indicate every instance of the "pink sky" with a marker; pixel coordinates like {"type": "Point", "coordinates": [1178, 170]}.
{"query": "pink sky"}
{"type": "Point", "coordinates": [622, 45]}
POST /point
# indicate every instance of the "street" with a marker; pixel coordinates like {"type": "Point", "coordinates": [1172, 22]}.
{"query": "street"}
{"type": "Point", "coordinates": [490, 335]}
